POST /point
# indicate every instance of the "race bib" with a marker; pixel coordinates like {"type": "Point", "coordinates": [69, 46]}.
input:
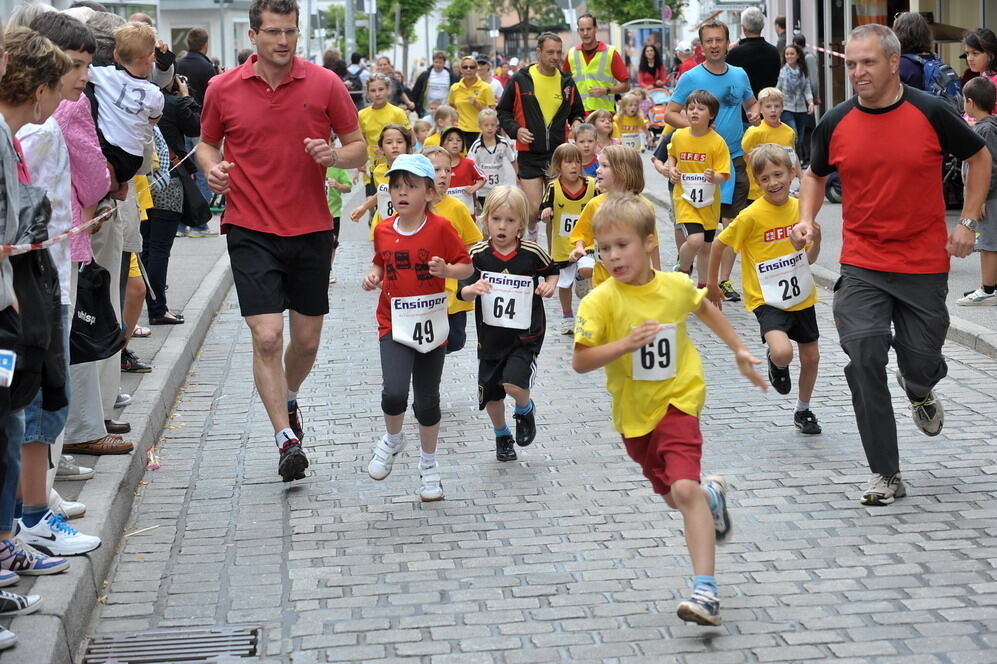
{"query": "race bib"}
{"type": "Point", "coordinates": [696, 190]}
{"type": "Point", "coordinates": [631, 140]}
{"type": "Point", "coordinates": [657, 360]}
{"type": "Point", "coordinates": [420, 321]}
{"type": "Point", "coordinates": [8, 359]}
{"type": "Point", "coordinates": [510, 304]}
{"type": "Point", "coordinates": [567, 224]}
{"type": "Point", "coordinates": [785, 281]}
{"type": "Point", "coordinates": [461, 194]}
{"type": "Point", "coordinates": [384, 207]}
{"type": "Point", "coordinates": [493, 176]}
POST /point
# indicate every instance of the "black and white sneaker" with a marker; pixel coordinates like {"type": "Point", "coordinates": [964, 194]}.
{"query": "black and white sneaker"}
{"type": "Point", "coordinates": [927, 413]}
{"type": "Point", "coordinates": [779, 377]}
{"type": "Point", "coordinates": [292, 462]}
{"type": "Point", "coordinates": [12, 604]}
{"type": "Point", "coordinates": [702, 608]}
{"type": "Point", "coordinates": [884, 490]}
{"type": "Point", "coordinates": [526, 427]}
{"type": "Point", "coordinates": [806, 422]}
{"type": "Point", "coordinates": [716, 486]}
{"type": "Point", "coordinates": [294, 421]}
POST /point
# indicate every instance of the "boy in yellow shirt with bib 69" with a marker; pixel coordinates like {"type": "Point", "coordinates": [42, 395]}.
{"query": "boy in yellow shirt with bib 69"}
{"type": "Point", "coordinates": [776, 279]}
{"type": "Point", "coordinates": [634, 325]}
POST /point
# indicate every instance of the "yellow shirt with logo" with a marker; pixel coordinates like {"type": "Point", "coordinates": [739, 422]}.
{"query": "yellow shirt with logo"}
{"type": "Point", "coordinates": [379, 176]}
{"type": "Point", "coordinates": [609, 313]}
{"type": "Point", "coordinates": [566, 212]}
{"type": "Point", "coordinates": [460, 98]}
{"type": "Point", "coordinates": [583, 233]}
{"type": "Point", "coordinates": [761, 233]}
{"type": "Point", "coordinates": [547, 90]}
{"type": "Point", "coordinates": [627, 128]}
{"type": "Point", "coordinates": [783, 136]}
{"type": "Point", "coordinates": [432, 139]}
{"type": "Point", "coordinates": [695, 154]}
{"type": "Point", "coordinates": [372, 121]}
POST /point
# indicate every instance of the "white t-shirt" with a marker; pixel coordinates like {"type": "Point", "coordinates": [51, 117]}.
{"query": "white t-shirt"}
{"type": "Point", "coordinates": [47, 159]}
{"type": "Point", "coordinates": [495, 163]}
{"type": "Point", "coordinates": [125, 106]}
{"type": "Point", "coordinates": [438, 86]}
{"type": "Point", "coordinates": [497, 88]}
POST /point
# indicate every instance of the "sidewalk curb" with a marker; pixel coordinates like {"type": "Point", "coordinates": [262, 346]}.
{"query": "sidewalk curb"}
{"type": "Point", "coordinates": [55, 633]}
{"type": "Point", "coordinates": [978, 338]}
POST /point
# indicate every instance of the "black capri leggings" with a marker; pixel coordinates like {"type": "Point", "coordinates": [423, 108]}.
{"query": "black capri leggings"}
{"type": "Point", "coordinates": [401, 365]}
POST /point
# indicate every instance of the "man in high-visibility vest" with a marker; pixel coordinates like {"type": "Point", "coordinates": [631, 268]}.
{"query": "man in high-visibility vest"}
{"type": "Point", "coordinates": [598, 70]}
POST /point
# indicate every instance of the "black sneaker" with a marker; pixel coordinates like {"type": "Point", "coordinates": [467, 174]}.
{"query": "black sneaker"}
{"type": "Point", "coordinates": [806, 422]}
{"type": "Point", "coordinates": [131, 364]}
{"type": "Point", "coordinates": [294, 422]}
{"type": "Point", "coordinates": [504, 450]}
{"type": "Point", "coordinates": [292, 461]}
{"type": "Point", "coordinates": [728, 291]}
{"type": "Point", "coordinates": [526, 427]}
{"type": "Point", "coordinates": [779, 378]}
{"type": "Point", "coordinates": [12, 604]}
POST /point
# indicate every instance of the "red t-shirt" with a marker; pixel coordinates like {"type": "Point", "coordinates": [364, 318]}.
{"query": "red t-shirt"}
{"type": "Point", "coordinates": [465, 173]}
{"type": "Point", "coordinates": [686, 65]}
{"type": "Point", "coordinates": [405, 259]}
{"type": "Point", "coordinates": [276, 186]}
{"type": "Point", "coordinates": [890, 164]}
{"type": "Point", "coordinates": [619, 67]}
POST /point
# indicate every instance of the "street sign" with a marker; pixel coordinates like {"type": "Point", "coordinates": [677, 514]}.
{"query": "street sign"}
{"type": "Point", "coordinates": [493, 34]}
{"type": "Point", "coordinates": [370, 7]}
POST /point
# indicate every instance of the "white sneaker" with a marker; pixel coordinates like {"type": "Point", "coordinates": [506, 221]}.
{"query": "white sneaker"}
{"type": "Point", "coordinates": [53, 536]}
{"type": "Point", "coordinates": [978, 298]}
{"type": "Point", "coordinates": [12, 604]}
{"type": "Point", "coordinates": [432, 486]}
{"type": "Point", "coordinates": [568, 325]}
{"type": "Point", "coordinates": [383, 458]}
{"type": "Point", "coordinates": [884, 490]}
{"type": "Point", "coordinates": [123, 400]}
{"type": "Point", "coordinates": [7, 638]}
{"type": "Point", "coordinates": [70, 470]}
{"type": "Point", "coordinates": [71, 509]}
{"type": "Point", "coordinates": [583, 287]}
{"type": "Point", "coordinates": [928, 413]}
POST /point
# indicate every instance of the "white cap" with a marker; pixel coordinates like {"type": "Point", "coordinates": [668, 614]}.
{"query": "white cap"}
{"type": "Point", "coordinates": [683, 47]}
{"type": "Point", "coordinates": [513, 62]}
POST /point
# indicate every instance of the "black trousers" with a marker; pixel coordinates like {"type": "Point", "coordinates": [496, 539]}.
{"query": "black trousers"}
{"type": "Point", "coordinates": [158, 233]}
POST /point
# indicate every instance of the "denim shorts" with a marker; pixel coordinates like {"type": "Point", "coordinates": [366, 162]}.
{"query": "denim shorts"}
{"type": "Point", "coordinates": [44, 426]}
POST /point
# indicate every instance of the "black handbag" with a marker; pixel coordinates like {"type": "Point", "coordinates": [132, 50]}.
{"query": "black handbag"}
{"type": "Point", "coordinates": [96, 333]}
{"type": "Point", "coordinates": [196, 210]}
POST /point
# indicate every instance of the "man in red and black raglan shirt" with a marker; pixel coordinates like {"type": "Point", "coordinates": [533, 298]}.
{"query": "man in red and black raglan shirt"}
{"type": "Point", "coordinates": [887, 144]}
{"type": "Point", "coordinates": [275, 115]}
{"type": "Point", "coordinates": [538, 107]}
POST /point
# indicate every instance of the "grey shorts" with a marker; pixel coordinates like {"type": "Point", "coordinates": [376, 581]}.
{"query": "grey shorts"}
{"type": "Point", "coordinates": [987, 238]}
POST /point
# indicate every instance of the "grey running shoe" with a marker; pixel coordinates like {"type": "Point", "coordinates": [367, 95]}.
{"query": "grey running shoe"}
{"type": "Point", "coordinates": [884, 490]}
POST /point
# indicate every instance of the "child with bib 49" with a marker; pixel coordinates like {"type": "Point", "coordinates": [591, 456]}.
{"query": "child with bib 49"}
{"type": "Point", "coordinates": [565, 197]}
{"type": "Point", "coordinates": [414, 252]}
{"type": "Point", "coordinates": [634, 325]}
{"type": "Point", "coordinates": [775, 277]}
{"type": "Point", "coordinates": [698, 163]}
{"type": "Point", "coordinates": [511, 275]}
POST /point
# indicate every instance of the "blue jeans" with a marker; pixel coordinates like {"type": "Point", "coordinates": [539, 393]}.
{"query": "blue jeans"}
{"type": "Point", "coordinates": [798, 121]}
{"type": "Point", "coordinates": [8, 490]}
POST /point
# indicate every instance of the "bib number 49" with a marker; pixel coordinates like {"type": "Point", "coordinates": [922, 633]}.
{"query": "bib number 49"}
{"type": "Point", "coordinates": [422, 333]}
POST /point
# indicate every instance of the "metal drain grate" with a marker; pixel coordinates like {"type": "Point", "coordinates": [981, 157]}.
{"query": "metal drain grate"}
{"type": "Point", "coordinates": [174, 646]}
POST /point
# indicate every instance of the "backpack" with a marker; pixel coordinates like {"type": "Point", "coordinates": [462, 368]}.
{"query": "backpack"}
{"type": "Point", "coordinates": [352, 81]}
{"type": "Point", "coordinates": [939, 80]}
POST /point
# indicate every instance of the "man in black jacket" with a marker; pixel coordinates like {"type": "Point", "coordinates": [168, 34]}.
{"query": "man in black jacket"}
{"type": "Point", "coordinates": [195, 65]}
{"type": "Point", "coordinates": [759, 59]}
{"type": "Point", "coordinates": [429, 84]}
{"type": "Point", "coordinates": [539, 106]}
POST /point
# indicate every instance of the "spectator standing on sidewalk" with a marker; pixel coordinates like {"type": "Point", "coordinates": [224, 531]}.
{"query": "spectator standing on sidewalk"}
{"type": "Point", "coordinates": [759, 59]}
{"type": "Point", "coordinates": [198, 69]}
{"type": "Point", "coordinates": [279, 237]}
{"type": "Point", "coordinates": [887, 143]}
{"type": "Point", "coordinates": [433, 84]}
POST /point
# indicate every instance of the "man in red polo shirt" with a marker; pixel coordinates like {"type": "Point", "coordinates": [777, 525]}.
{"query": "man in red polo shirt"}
{"type": "Point", "coordinates": [276, 115]}
{"type": "Point", "coordinates": [887, 144]}
{"type": "Point", "coordinates": [599, 70]}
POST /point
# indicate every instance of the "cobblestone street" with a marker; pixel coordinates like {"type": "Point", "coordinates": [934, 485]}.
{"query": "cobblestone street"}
{"type": "Point", "coordinates": [566, 554]}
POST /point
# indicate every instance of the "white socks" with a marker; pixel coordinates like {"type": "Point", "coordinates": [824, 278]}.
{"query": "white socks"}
{"type": "Point", "coordinates": [426, 459]}
{"type": "Point", "coordinates": [394, 439]}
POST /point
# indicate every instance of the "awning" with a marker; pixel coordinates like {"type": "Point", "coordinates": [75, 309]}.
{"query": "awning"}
{"type": "Point", "coordinates": [943, 33]}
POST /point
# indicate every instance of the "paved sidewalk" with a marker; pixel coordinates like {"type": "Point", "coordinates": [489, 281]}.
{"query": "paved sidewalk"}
{"type": "Point", "coordinates": [198, 280]}
{"type": "Point", "coordinates": [565, 555]}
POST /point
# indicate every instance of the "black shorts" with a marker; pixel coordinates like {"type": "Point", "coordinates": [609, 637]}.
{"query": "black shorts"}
{"type": "Point", "coordinates": [518, 367]}
{"type": "Point", "coordinates": [273, 273]}
{"type": "Point", "coordinates": [800, 326]}
{"type": "Point", "coordinates": [708, 235]}
{"type": "Point", "coordinates": [533, 165]}
{"type": "Point", "coordinates": [741, 188]}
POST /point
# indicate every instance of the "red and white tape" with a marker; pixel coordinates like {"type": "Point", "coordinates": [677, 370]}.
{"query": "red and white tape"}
{"type": "Point", "coordinates": [828, 51]}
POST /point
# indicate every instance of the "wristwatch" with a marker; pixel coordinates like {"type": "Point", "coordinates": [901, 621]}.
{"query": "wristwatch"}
{"type": "Point", "coordinates": [971, 224]}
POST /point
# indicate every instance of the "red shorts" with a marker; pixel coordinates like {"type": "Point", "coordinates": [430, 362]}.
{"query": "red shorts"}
{"type": "Point", "coordinates": [671, 452]}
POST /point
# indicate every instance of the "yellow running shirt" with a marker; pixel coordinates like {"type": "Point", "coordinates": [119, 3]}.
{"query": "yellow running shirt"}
{"type": "Point", "coordinates": [783, 136]}
{"type": "Point", "coordinates": [609, 313]}
{"type": "Point", "coordinates": [760, 233]}
{"type": "Point", "coordinates": [583, 233]}
{"type": "Point", "coordinates": [547, 90]}
{"type": "Point", "coordinates": [696, 201]}
{"type": "Point", "coordinates": [567, 209]}
{"type": "Point", "coordinates": [372, 121]}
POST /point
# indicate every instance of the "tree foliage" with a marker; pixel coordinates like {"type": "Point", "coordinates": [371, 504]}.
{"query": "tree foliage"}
{"type": "Point", "coordinates": [537, 12]}
{"type": "Point", "coordinates": [386, 36]}
{"type": "Point", "coordinates": [621, 11]}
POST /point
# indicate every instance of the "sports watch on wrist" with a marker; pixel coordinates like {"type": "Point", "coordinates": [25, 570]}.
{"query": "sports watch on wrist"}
{"type": "Point", "coordinates": [971, 224]}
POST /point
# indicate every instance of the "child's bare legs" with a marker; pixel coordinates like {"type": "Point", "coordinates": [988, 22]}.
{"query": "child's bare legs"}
{"type": "Point", "coordinates": [703, 261]}
{"type": "Point", "coordinates": [496, 413]}
{"type": "Point", "coordinates": [679, 239]}
{"type": "Point", "coordinates": [689, 498]}
{"type": "Point", "coordinates": [690, 248]}
{"type": "Point", "coordinates": [521, 395]}
{"type": "Point", "coordinates": [780, 348]}
{"type": "Point", "coordinates": [585, 272]}
{"type": "Point", "coordinates": [809, 359]}
{"type": "Point", "coordinates": [564, 295]}
{"type": "Point", "coordinates": [428, 436]}
{"type": "Point", "coordinates": [727, 264]}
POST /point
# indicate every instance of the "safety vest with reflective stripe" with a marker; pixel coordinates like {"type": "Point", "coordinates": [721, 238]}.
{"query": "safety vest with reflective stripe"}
{"type": "Point", "coordinates": [598, 72]}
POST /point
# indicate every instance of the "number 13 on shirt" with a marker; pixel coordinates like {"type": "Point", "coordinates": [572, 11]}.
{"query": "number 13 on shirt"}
{"type": "Point", "coordinates": [656, 360]}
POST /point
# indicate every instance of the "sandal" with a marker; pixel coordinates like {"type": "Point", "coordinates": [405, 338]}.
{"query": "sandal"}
{"type": "Point", "coordinates": [141, 332]}
{"type": "Point", "coordinates": [169, 318]}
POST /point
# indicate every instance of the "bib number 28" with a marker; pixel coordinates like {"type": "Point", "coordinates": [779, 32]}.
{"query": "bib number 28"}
{"type": "Point", "coordinates": [790, 288]}
{"type": "Point", "coordinates": [656, 360]}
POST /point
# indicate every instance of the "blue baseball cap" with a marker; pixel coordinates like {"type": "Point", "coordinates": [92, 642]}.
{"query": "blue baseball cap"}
{"type": "Point", "coordinates": [416, 164]}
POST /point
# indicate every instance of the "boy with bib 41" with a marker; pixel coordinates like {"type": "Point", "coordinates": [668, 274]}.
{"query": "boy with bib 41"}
{"type": "Point", "coordinates": [634, 325]}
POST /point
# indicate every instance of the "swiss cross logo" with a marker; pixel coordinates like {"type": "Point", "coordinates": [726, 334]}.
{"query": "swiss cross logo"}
{"type": "Point", "coordinates": [776, 234]}
{"type": "Point", "coordinates": [692, 156]}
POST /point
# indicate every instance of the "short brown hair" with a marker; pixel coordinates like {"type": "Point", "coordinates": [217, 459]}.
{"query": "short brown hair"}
{"type": "Point", "coordinates": [628, 169]}
{"type": "Point", "coordinates": [982, 92]}
{"type": "Point", "coordinates": [401, 129]}
{"type": "Point", "coordinates": [714, 24]}
{"type": "Point", "coordinates": [625, 210]}
{"type": "Point", "coordinates": [34, 61]}
{"type": "Point", "coordinates": [281, 7]}
{"type": "Point", "coordinates": [134, 41]}
{"type": "Point", "coordinates": [197, 39]}
{"type": "Point", "coordinates": [769, 153]}
{"type": "Point", "coordinates": [562, 153]}
{"type": "Point", "coordinates": [704, 98]}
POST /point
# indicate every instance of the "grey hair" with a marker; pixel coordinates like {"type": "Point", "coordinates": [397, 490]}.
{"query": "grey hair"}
{"type": "Point", "coordinates": [26, 13]}
{"type": "Point", "coordinates": [752, 20]}
{"type": "Point", "coordinates": [103, 25]}
{"type": "Point", "coordinates": [887, 38]}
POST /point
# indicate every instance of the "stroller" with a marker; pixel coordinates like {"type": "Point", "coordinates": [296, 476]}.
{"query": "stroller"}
{"type": "Point", "coordinates": [659, 98]}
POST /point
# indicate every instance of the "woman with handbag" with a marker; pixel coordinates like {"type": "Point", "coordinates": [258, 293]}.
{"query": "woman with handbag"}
{"type": "Point", "coordinates": [159, 230]}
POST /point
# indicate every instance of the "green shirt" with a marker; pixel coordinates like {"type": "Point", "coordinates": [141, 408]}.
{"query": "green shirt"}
{"type": "Point", "coordinates": [333, 195]}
